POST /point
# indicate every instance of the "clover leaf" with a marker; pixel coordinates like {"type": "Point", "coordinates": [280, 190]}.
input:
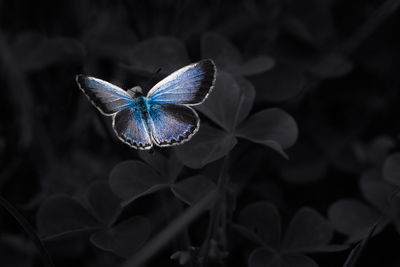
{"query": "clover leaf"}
{"type": "Point", "coordinates": [391, 169]}
{"type": "Point", "coordinates": [134, 178]}
{"type": "Point", "coordinates": [228, 58]}
{"type": "Point", "coordinates": [229, 106]}
{"type": "Point", "coordinates": [61, 216]}
{"type": "Point", "coordinates": [353, 218]}
{"type": "Point", "coordinates": [308, 232]}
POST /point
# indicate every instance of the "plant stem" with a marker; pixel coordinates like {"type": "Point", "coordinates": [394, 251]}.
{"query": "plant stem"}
{"type": "Point", "coordinates": [47, 261]}
{"type": "Point", "coordinates": [169, 232]}
{"type": "Point", "coordinates": [218, 212]}
{"type": "Point", "coordinates": [379, 16]}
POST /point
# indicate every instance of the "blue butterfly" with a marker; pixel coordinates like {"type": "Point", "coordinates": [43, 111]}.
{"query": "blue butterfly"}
{"type": "Point", "coordinates": [165, 116]}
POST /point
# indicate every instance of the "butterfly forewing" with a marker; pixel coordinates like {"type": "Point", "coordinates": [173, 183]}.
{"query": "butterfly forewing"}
{"type": "Point", "coordinates": [189, 85]}
{"type": "Point", "coordinates": [105, 96]}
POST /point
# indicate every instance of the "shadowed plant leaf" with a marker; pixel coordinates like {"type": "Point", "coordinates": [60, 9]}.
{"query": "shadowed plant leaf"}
{"type": "Point", "coordinates": [331, 66]}
{"type": "Point", "coordinates": [308, 231]}
{"type": "Point", "coordinates": [61, 215]}
{"type": "Point", "coordinates": [378, 193]}
{"type": "Point", "coordinates": [265, 258]}
{"type": "Point", "coordinates": [230, 101]}
{"type": "Point", "coordinates": [391, 169]}
{"type": "Point", "coordinates": [253, 66]}
{"type": "Point", "coordinates": [132, 179]}
{"type": "Point", "coordinates": [379, 148]}
{"type": "Point", "coordinates": [192, 189]}
{"type": "Point", "coordinates": [228, 105]}
{"type": "Point", "coordinates": [228, 58]}
{"type": "Point", "coordinates": [353, 218]}
{"type": "Point", "coordinates": [105, 211]}
{"type": "Point", "coordinates": [208, 145]}
{"type": "Point", "coordinates": [170, 167]}
{"type": "Point", "coordinates": [124, 238]}
{"type": "Point", "coordinates": [356, 251]}
{"type": "Point", "coordinates": [306, 164]}
{"type": "Point", "coordinates": [264, 220]}
{"type": "Point", "coordinates": [222, 51]}
{"type": "Point", "coordinates": [270, 125]}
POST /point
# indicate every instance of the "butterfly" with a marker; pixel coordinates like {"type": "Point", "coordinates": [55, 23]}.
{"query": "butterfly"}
{"type": "Point", "coordinates": [165, 116]}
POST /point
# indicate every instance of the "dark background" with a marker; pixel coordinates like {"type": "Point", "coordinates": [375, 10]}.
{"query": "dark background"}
{"type": "Point", "coordinates": [325, 75]}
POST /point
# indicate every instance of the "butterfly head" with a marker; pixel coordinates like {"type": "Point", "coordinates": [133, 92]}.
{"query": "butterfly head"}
{"type": "Point", "coordinates": [135, 92]}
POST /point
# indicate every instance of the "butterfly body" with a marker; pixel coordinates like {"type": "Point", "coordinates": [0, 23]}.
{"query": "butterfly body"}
{"type": "Point", "coordinates": [164, 117]}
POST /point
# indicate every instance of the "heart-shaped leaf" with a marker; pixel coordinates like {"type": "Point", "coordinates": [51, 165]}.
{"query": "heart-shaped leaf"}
{"type": "Point", "coordinates": [222, 51]}
{"type": "Point", "coordinates": [228, 58]}
{"type": "Point", "coordinates": [391, 169]}
{"type": "Point", "coordinates": [208, 145]}
{"type": "Point", "coordinates": [378, 193]}
{"type": "Point", "coordinates": [307, 232]}
{"type": "Point", "coordinates": [61, 215]}
{"type": "Point", "coordinates": [253, 66]}
{"type": "Point", "coordinates": [125, 238]}
{"type": "Point", "coordinates": [132, 179]}
{"type": "Point", "coordinates": [105, 211]}
{"type": "Point", "coordinates": [263, 257]}
{"type": "Point", "coordinates": [192, 189]}
{"type": "Point", "coordinates": [230, 101]}
{"type": "Point", "coordinates": [264, 220]}
{"type": "Point", "coordinates": [270, 125]}
{"type": "Point", "coordinates": [352, 218]}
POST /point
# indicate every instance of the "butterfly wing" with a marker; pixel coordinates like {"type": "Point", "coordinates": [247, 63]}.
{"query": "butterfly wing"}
{"type": "Point", "coordinates": [128, 121]}
{"type": "Point", "coordinates": [131, 128]}
{"type": "Point", "coordinates": [106, 97]}
{"type": "Point", "coordinates": [172, 124]}
{"type": "Point", "coordinates": [189, 85]}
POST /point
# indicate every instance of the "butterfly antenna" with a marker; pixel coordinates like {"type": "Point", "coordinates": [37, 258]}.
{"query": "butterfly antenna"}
{"type": "Point", "coordinates": [151, 79]}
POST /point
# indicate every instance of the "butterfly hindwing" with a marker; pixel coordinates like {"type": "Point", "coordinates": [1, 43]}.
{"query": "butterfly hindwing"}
{"type": "Point", "coordinates": [131, 128]}
{"type": "Point", "coordinates": [189, 85]}
{"type": "Point", "coordinates": [105, 96]}
{"type": "Point", "coordinates": [172, 124]}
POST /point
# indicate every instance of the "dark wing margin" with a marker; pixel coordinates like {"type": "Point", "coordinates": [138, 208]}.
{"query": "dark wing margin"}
{"type": "Point", "coordinates": [106, 97]}
{"type": "Point", "coordinates": [189, 85]}
{"type": "Point", "coordinates": [131, 128]}
{"type": "Point", "coordinates": [172, 124]}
